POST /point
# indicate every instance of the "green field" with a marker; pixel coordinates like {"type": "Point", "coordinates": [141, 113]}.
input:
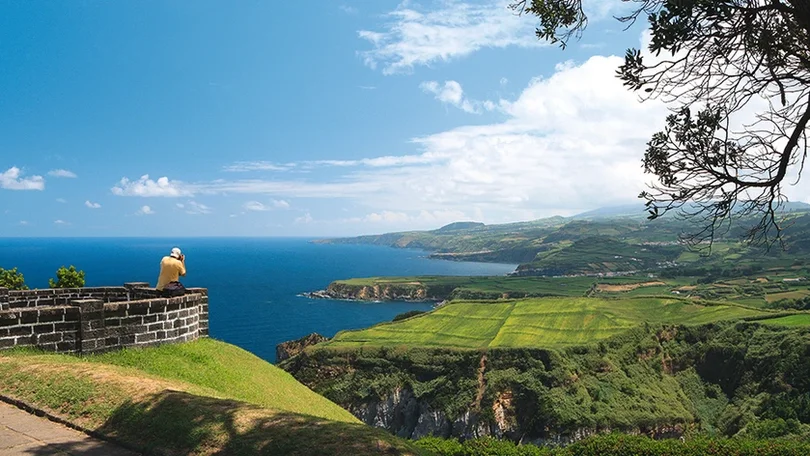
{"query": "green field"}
{"type": "Point", "coordinates": [790, 320]}
{"type": "Point", "coordinates": [544, 322]}
{"type": "Point", "coordinates": [795, 294]}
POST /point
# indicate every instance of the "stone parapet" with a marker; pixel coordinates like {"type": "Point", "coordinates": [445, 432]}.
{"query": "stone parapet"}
{"type": "Point", "coordinates": [92, 320]}
{"type": "Point", "coordinates": [3, 298]}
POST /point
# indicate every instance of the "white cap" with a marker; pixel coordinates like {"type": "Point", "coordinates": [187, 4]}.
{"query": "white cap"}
{"type": "Point", "coordinates": [176, 253]}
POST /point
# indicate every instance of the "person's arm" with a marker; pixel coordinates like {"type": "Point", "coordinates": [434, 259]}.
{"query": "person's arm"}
{"type": "Point", "coordinates": [183, 265]}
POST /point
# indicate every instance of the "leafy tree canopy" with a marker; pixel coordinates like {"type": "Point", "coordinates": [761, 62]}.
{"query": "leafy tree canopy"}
{"type": "Point", "coordinates": [12, 279]}
{"type": "Point", "coordinates": [67, 278]}
{"type": "Point", "coordinates": [709, 59]}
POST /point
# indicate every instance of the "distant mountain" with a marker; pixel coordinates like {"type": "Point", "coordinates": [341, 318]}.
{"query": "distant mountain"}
{"type": "Point", "coordinates": [637, 210]}
{"type": "Point", "coordinates": [458, 226]}
{"type": "Point", "coordinates": [603, 241]}
{"type": "Point", "coordinates": [626, 210]}
{"type": "Point", "coordinates": [796, 206]}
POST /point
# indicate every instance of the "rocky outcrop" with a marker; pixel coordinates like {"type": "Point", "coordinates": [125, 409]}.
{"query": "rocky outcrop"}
{"type": "Point", "coordinates": [404, 415]}
{"type": "Point", "coordinates": [415, 292]}
{"type": "Point", "coordinates": [407, 416]}
{"type": "Point", "coordinates": [291, 348]}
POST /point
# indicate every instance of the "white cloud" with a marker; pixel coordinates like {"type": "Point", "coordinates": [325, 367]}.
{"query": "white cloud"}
{"type": "Point", "coordinates": [569, 142]}
{"type": "Point", "coordinates": [12, 179]}
{"type": "Point", "coordinates": [255, 206]}
{"type": "Point", "coordinates": [348, 9]}
{"type": "Point", "coordinates": [23, 222]}
{"type": "Point", "coordinates": [145, 210]}
{"type": "Point", "coordinates": [456, 29]}
{"type": "Point", "coordinates": [415, 219]}
{"type": "Point", "coordinates": [92, 205]}
{"type": "Point", "coordinates": [376, 162]}
{"type": "Point", "coordinates": [62, 173]}
{"type": "Point", "coordinates": [196, 208]}
{"type": "Point", "coordinates": [60, 222]}
{"type": "Point", "coordinates": [304, 219]}
{"type": "Point", "coordinates": [147, 187]}
{"type": "Point", "coordinates": [61, 200]}
{"type": "Point", "coordinates": [387, 217]}
{"type": "Point", "coordinates": [244, 166]}
{"type": "Point", "coordinates": [452, 93]}
{"type": "Point", "coordinates": [504, 81]}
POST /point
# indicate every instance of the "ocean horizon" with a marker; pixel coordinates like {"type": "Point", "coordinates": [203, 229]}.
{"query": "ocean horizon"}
{"type": "Point", "coordinates": [254, 283]}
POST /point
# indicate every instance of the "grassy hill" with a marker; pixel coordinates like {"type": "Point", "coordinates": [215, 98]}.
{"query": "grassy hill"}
{"type": "Point", "coordinates": [199, 398]}
{"type": "Point", "coordinates": [591, 244]}
{"type": "Point", "coordinates": [545, 322]}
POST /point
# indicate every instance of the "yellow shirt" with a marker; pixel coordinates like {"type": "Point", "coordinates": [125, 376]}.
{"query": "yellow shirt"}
{"type": "Point", "coordinates": [170, 271]}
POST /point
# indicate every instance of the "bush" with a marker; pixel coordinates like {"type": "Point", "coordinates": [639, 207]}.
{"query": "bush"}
{"type": "Point", "coordinates": [11, 279]}
{"type": "Point", "coordinates": [408, 314]}
{"type": "Point", "coordinates": [67, 278]}
{"type": "Point", "coordinates": [768, 429]}
{"type": "Point", "coordinates": [441, 447]}
{"type": "Point", "coordinates": [482, 446]}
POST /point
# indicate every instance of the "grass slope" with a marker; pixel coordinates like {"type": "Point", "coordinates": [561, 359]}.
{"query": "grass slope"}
{"type": "Point", "coordinates": [544, 322]}
{"type": "Point", "coordinates": [199, 398]}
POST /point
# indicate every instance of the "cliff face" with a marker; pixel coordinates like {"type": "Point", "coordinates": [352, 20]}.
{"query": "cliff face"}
{"type": "Point", "coordinates": [291, 348]}
{"type": "Point", "coordinates": [386, 292]}
{"type": "Point", "coordinates": [655, 381]}
{"type": "Point", "coordinates": [520, 394]}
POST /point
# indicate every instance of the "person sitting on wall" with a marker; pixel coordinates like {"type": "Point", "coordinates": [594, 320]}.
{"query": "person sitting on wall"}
{"type": "Point", "coordinates": [171, 268]}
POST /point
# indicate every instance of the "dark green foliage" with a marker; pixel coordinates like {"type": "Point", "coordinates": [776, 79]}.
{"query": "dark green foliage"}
{"type": "Point", "coordinates": [12, 279]}
{"type": "Point", "coordinates": [408, 314]}
{"type": "Point", "coordinates": [619, 445]}
{"type": "Point", "coordinates": [718, 379]}
{"type": "Point", "coordinates": [483, 446]}
{"type": "Point", "coordinates": [769, 429]}
{"type": "Point", "coordinates": [796, 304]}
{"type": "Point", "coordinates": [67, 278]}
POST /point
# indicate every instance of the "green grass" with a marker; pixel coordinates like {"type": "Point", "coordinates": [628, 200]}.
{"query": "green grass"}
{"type": "Point", "coordinates": [544, 322]}
{"type": "Point", "coordinates": [229, 370]}
{"type": "Point", "coordinates": [795, 294]}
{"type": "Point", "coordinates": [790, 320]}
{"type": "Point", "coordinates": [199, 398]}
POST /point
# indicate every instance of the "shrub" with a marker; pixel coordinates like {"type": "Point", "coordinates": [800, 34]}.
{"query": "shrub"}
{"type": "Point", "coordinates": [11, 279]}
{"type": "Point", "coordinates": [441, 447]}
{"type": "Point", "coordinates": [408, 314]}
{"type": "Point", "coordinates": [67, 278]}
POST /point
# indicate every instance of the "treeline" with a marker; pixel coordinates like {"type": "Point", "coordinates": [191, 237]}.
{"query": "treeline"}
{"type": "Point", "coordinates": [618, 445]}
{"type": "Point", "coordinates": [66, 277]}
{"type": "Point", "coordinates": [795, 304]}
{"type": "Point", "coordinates": [709, 274]}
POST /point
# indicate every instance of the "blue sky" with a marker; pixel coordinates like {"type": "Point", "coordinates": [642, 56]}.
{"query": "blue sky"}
{"type": "Point", "coordinates": [155, 118]}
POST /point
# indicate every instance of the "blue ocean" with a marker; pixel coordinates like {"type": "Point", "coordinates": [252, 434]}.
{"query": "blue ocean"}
{"type": "Point", "coordinates": [253, 283]}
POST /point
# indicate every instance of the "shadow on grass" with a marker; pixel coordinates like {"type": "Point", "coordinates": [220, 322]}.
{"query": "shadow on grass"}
{"type": "Point", "coordinates": [178, 423]}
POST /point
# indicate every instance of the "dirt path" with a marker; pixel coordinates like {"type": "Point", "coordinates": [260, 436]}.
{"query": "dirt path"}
{"type": "Point", "coordinates": [23, 434]}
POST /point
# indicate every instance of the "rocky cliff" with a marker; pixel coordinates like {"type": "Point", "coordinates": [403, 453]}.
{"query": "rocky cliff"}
{"type": "Point", "coordinates": [291, 348]}
{"type": "Point", "coordinates": [380, 292]}
{"type": "Point", "coordinates": [658, 381]}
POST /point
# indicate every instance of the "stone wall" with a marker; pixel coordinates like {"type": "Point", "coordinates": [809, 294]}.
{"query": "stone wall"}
{"type": "Point", "coordinates": [91, 320]}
